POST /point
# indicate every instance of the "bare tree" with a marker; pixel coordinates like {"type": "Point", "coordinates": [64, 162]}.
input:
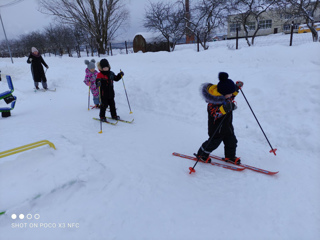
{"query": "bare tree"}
{"type": "Point", "coordinates": [208, 15]}
{"type": "Point", "coordinates": [4, 51]}
{"type": "Point", "coordinates": [248, 10]}
{"type": "Point", "coordinates": [79, 37]}
{"type": "Point", "coordinates": [59, 38]}
{"type": "Point", "coordinates": [168, 19]}
{"type": "Point", "coordinates": [100, 18]}
{"type": "Point", "coordinates": [33, 39]}
{"type": "Point", "coordinates": [304, 9]}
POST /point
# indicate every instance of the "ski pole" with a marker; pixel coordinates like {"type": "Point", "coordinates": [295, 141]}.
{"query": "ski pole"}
{"type": "Point", "coordinates": [126, 93]}
{"type": "Point", "coordinates": [89, 99]}
{"type": "Point", "coordinates": [272, 150]}
{"type": "Point", "coordinates": [210, 139]}
{"type": "Point", "coordinates": [100, 127]}
{"type": "Point", "coordinates": [100, 110]}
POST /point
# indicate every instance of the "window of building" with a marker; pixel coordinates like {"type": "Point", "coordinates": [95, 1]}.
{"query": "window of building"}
{"type": "Point", "coordinates": [286, 16]}
{"type": "Point", "coordinates": [287, 27]}
{"type": "Point", "coordinates": [234, 26]}
{"type": "Point", "coordinates": [264, 24]}
{"type": "Point", "coordinates": [251, 26]}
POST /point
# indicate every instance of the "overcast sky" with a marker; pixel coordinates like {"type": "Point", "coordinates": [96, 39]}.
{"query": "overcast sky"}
{"type": "Point", "coordinates": [23, 18]}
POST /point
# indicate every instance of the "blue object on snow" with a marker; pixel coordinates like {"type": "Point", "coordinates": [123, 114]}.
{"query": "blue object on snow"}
{"type": "Point", "coordinates": [8, 97]}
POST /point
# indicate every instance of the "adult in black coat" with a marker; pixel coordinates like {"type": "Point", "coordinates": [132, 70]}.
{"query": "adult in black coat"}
{"type": "Point", "coordinates": [37, 71]}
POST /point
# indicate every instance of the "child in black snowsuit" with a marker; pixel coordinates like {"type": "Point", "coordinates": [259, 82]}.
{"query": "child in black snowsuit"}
{"type": "Point", "coordinates": [220, 129]}
{"type": "Point", "coordinates": [104, 81]}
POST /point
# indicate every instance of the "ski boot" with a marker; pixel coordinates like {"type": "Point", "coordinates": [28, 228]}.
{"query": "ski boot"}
{"type": "Point", "coordinates": [204, 159]}
{"type": "Point", "coordinates": [202, 156]}
{"type": "Point", "coordinates": [234, 160]}
{"type": "Point", "coordinates": [103, 119]}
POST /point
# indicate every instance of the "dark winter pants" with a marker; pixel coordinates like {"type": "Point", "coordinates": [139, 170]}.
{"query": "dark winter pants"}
{"type": "Point", "coordinates": [105, 103]}
{"type": "Point", "coordinates": [44, 84]}
{"type": "Point", "coordinates": [230, 145]}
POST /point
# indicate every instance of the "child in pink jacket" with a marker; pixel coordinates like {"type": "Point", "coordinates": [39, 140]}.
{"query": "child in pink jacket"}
{"type": "Point", "coordinates": [90, 80]}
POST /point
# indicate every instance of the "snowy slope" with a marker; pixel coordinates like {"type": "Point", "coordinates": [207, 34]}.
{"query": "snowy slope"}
{"type": "Point", "coordinates": [125, 184]}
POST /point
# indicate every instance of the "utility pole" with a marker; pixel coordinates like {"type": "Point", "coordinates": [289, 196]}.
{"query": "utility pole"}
{"type": "Point", "coordinates": [6, 38]}
{"type": "Point", "coordinates": [4, 31]}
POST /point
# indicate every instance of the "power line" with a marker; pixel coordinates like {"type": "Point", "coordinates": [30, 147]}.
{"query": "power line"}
{"type": "Point", "coordinates": [12, 3]}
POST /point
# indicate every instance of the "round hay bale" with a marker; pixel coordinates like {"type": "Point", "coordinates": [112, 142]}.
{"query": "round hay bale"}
{"type": "Point", "coordinates": [139, 44]}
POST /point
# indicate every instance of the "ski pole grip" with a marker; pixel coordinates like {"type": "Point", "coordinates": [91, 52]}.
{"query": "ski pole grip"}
{"type": "Point", "coordinates": [239, 84]}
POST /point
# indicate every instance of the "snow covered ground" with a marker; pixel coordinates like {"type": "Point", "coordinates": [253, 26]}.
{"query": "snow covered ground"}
{"type": "Point", "coordinates": [125, 184]}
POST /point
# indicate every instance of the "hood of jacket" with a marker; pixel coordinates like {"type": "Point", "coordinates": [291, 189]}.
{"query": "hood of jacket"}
{"type": "Point", "coordinates": [210, 94]}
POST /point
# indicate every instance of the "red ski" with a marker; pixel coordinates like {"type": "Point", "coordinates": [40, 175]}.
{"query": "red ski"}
{"type": "Point", "coordinates": [247, 166]}
{"type": "Point", "coordinates": [234, 168]}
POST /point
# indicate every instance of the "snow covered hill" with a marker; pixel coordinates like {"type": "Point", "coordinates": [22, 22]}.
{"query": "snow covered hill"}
{"type": "Point", "coordinates": [125, 184]}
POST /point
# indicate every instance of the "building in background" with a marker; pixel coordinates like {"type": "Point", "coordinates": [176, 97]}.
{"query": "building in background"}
{"type": "Point", "coordinates": [271, 22]}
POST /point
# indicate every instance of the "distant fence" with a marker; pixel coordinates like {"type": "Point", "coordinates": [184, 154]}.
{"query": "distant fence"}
{"type": "Point", "coordinates": [274, 39]}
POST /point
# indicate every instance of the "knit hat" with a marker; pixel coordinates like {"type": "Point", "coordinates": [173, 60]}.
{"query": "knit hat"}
{"type": "Point", "coordinates": [33, 49]}
{"type": "Point", "coordinates": [91, 64]}
{"type": "Point", "coordinates": [225, 85]}
{"type": "Point", "coordinates": [104, 63]}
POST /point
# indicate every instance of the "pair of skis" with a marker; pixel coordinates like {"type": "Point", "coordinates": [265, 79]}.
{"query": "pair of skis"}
{"type": "Point", "coordinates": [239, 168]}
{"type": "Point", "coordinates": [94, 107]}
{"type": "Point", "coordinates": [44, 90]}
{"type": "Point", "coordinates": [116, 121]}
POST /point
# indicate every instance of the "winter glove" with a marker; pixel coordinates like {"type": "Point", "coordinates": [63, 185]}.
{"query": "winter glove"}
{"type": "Point", "coordinates": [239, 85]}
{"type": "Point", "coordinates": [47, 67]}
{"type": "Point", "coordinates": [120, 74]}
{"type": "Point", "coordinates": [98, 83]}
{"type": "Point", "coordinates": [227, 107]}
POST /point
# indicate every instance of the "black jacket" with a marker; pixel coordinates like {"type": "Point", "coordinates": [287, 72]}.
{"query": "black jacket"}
{"type": "Point", "coordinates": [36, 67]}
{"type": "Point", "coordinates": [214, 126]}
{"type": "Point", "coordinates": [215, 116]}
{"type": "Point", "coordinates": [105, 81]}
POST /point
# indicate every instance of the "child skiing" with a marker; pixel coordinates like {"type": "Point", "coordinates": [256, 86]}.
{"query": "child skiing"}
{"type": "Point", "coordinates": [220, 129]}
{"type": "Point", "coordinates": [105, 80]}
{"type": "Point", "coordinates": [90, 80]}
